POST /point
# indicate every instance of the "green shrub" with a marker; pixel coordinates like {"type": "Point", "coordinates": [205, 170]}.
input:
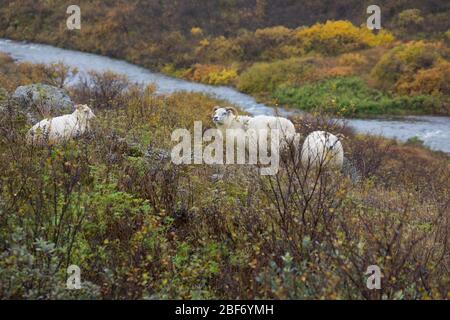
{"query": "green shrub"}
{"type": "Point", "coordinates": [266, 77]}
{"type": "Point", "coordinates": [351, 96]}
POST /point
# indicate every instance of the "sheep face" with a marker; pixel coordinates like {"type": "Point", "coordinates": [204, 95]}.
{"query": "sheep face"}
{"type": "Point", "coordinates": [223, 116]}
{"type": "Point", "coordinates": [85, 112]}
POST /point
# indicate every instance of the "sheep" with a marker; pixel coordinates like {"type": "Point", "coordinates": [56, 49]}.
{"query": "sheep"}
{"type": "Point", "coordinates": [322, 150]}
{"type": "Point", "coordinates": [228, 118]}
{"type": "Point", "coordinates": [59, 129]}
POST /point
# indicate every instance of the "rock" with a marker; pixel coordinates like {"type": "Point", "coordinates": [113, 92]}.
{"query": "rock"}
{"type": "Point", "coordinates": [39, 101]}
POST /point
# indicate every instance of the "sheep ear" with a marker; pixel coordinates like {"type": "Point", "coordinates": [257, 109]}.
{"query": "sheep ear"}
{"type": "Point", "coordinates": [232, 110]}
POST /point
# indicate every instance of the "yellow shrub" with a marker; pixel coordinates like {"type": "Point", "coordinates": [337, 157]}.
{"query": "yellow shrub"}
{"type": "Point", "coordinates": [213, 74]}
{"type": "Point", "coordinates": [405, 67]}
{"type": "Point", "coordinates": [334, 37]}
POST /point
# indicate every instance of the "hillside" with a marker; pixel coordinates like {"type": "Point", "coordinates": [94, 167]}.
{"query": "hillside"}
{"type": "Point", "coordinates": [141, 227]}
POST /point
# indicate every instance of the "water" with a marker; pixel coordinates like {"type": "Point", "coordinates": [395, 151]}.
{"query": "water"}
{"type": "Point", "coordinates": [434, 131]}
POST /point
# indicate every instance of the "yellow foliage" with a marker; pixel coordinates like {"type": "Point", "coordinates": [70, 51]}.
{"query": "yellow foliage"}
{"type": "Point", "coordinates": [409, 67]}
{"type": "Point", "coordinates": [213, 74]}
{"type": "Point", "coordinates": [195, 31]}
{"type": "Point", "coordinates": [340, 36]}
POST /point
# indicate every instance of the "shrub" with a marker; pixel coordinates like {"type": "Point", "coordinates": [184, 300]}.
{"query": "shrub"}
{"type": "Point", "coordinates": [409, 21]}
{"type": "Point", "coordinates": [102, 90]}
{"type": "Point", "coordinates": [334, 37]}
{"type": "Point", "coordinates": [352, 97]}
{"type": "Point", "coordinates": [218, 50]}
{"type": "Point", "coordinates": [401, 65]}
{"type": "Point", "coordinates": [434, 81]}
{"type": "Point", "coordinates": [212, 74]}
{"type": "Point", "coordinates": [12, 74]}
{"type": "Point", "coordinates": [266, 77]}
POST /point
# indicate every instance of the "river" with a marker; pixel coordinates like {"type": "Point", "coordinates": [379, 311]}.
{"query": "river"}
{"type": "Point", "coordinates": [434, 131]}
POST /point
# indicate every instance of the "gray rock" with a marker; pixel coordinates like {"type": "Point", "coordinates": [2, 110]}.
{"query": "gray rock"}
{"type": "Point", "coordinates": [39, 101]}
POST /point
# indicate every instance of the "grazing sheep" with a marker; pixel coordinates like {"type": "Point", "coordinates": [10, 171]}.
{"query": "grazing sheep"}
{"type": "Point", "coordinates": [322, 150]}
{"type": "Point", "coordinates": [228, 118]}
{"type": "Point", "coordinates": [60, 129]}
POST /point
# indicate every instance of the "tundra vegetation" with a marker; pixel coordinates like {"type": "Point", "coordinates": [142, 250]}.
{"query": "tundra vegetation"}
{"type": "Point", "coordinates": [138, 226]}
{"type": "Point", "coordinates": [313, 55]}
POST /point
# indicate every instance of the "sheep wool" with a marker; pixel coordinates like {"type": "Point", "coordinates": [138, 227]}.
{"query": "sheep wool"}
{"type": "Point", "coordinates": [322, 150]}
{"type": "Point", "coordinates": [59, 129]}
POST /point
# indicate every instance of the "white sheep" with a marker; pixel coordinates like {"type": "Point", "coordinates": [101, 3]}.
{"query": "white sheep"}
{"type": "Point", "coordinates": [322, 150]}
{"type": "Point", "coordinates": [228, 118]}
{"type": "Point", "coordinates": [63, 128]}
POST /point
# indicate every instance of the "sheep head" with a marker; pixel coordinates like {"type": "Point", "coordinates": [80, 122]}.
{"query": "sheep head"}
{"type": "Point", "coordinates": [223, 116]}
{"type": "Point", "coordinates": [84, 112]}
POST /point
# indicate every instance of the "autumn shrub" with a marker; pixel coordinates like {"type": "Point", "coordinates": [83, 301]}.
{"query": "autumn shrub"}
{"type": "Point", "coordinates": [334, 37]}
{"type": "Point", "coordinates": [408, 21]}
{"type": "Point", "coordinates": [352, 60]}
{"type": "Point", "coordinates": [218, 50]}
{"type": "Point", "coordinates": [402, 64]}
{"type": "Point", "coordinates": [12, 74]}
{"type": "Point", "coordinates": [102, 90]}
{"type": "Point", "coordinates": [433, 81]}
{"type": "Point", "coordinates": [212, 74]}
{"type": "Point", "coordinates": [277, 43]}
